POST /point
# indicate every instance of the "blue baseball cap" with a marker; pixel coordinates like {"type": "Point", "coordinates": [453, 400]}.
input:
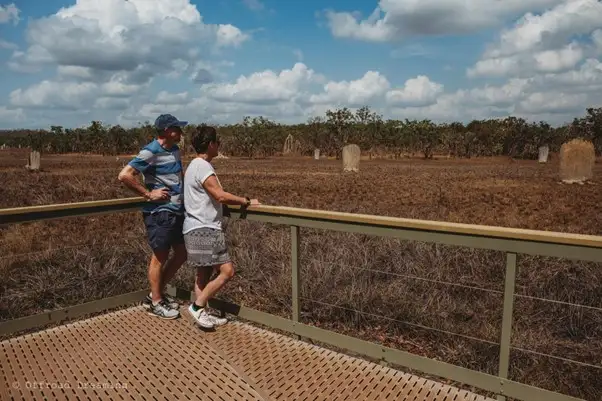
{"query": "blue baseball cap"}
{"type": "Point", "coordinates": [167, 120]}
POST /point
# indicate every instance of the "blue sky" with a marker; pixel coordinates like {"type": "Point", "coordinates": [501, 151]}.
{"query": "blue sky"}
{"type": "Point", "coordinates": [119, 61]}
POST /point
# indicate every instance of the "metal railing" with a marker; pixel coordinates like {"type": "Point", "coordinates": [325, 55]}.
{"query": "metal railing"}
{"type": "Point", "coordinates": [508, 240]}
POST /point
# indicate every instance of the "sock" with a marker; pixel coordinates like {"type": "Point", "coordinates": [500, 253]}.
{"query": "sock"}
{"type": "Point", "coordinates": [150, 296]}
{"type": "Point", "coordinates": [196, 307]}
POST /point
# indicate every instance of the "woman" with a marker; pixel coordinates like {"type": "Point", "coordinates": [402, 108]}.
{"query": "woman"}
{"type": "Point", "coordinates": [203, 234]}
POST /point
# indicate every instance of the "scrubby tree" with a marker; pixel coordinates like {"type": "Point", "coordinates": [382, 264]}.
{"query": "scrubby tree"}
{"type": "Point", "coordinates": [262, 137]}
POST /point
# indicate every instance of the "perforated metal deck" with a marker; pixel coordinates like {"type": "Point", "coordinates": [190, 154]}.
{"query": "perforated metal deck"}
{"type": "Point", "coordinates": [129, 355]}
{"type": "Point", "coordinates": [288, 369]}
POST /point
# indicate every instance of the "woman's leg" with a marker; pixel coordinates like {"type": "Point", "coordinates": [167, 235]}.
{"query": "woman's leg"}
{"type": "Point", "coordinates": [203, 275]}
{"type": "Point", "coordinates": [226, 272]}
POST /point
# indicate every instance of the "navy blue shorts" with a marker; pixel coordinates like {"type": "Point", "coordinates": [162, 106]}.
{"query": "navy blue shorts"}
{"type": "Point", "coordinates": [163, 229]}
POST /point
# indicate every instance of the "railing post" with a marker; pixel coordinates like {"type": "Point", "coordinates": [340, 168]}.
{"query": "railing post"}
{"type": "Point", "coordinates": [295, 272]}
{"type": "Point", "coordinates": [507, 318]}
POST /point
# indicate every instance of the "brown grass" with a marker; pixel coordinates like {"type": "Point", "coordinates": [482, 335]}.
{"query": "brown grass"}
{"type": "Point", "coordinates": [400, 288]}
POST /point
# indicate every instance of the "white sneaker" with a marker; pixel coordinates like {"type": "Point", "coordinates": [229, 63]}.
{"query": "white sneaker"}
{"type": "Point", "coordinates": [163, 311]}
{"type": "Point", "coordinates": [171, 302]}
{"type": "Point", "coordinates": [214, 316]}
{"type": "Point", "coordinates": [201, 317]}
{"type": "Point", "coordinates": [218, 321]}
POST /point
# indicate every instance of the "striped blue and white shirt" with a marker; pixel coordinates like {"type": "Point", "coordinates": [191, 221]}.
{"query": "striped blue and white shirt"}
{"type": "Point", "coordinates": [161, 168]}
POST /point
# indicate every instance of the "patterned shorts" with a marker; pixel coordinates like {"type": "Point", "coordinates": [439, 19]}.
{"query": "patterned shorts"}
{"type": "Point", "coordinates": [206, 247]}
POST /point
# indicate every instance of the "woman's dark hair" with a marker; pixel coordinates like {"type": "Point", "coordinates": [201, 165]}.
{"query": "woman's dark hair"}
{"type": "Point", "coordinates": [202, 136]}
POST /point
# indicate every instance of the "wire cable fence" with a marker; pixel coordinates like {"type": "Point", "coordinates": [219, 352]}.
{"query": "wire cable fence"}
{"type": "Point", "coordinates": [448, 283]}
{"type": "Point", "coordinates": [585, 364]}
{"type": "Point", "coordinates": [442, 331]}
{"type": "Point", "coordinates": [51, 249]}
{"type": "Point", "coordinates": [410, 276]}
{"type": "Point", "coordinates": [416, 325]}
{"type": "Point", "coordinates": [55, 289]}
{"type": "Point", "coordinates": [553, 301]}
{"type": "Point", "coordinates": [29, 290]}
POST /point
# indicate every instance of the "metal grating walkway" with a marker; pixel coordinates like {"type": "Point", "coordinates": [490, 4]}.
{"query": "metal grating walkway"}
{"type": "Point", "coordinates": [288, 369]}
{"type": "Point", "coordinates": [129, 355]}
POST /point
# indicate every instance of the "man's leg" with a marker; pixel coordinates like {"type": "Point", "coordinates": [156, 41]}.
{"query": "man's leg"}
{"type": "Point", "coordinates": [155, 272]}
{"type": "Point", "coordinates": [172, 237]}
{"type": "Point", "coordinates": [172, 265]}
{"type": "Point", "coordinates": [157, 305]}
{"type": "Point", "coordinates": [161, 276]}
{"type": "Point", "coordinates": [176, 240]}
{"type": "Point", "coordinates": [158, 231]}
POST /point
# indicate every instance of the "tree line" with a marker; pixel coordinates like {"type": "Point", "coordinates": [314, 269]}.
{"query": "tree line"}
{"type": "Point", "coordinates": [262, 137]}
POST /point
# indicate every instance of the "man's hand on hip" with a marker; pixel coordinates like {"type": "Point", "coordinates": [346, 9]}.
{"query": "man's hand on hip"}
{"type": "Point", "coordinates": [158, 194]}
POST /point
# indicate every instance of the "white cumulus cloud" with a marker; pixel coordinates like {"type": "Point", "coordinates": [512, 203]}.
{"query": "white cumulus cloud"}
{"type": "Point", "coordinates": [353, 93]}
{"type": "Point", "coordinates": [10, 117]}
{"type": "Point", "coordinates": [128, 61]}
{"type": "Point", "coordinates": [264, 86]}
{"type": "Point", "coordinates": [527, 63]}
{"type": "Point", "coordinates": [399, 19]}
{"type": "Point", "coordinates": [550, 29]}
{"type": "Point", "coordinates": [8, 45]}
{"type": "Point", "coordinates": [123, 35]}
{"type": "Point", "coordinates": [419, 91]}
{"type": "Point", "coordinates": [49, 94]}
{"type": "Point", "coordinates": [108, 53]}
{"type": "Point", "coordinates": [165, 97]}
{"type": "Point", "coordinates": [9, 13]}
{"type": "Point", "coordinates": [544, 42]}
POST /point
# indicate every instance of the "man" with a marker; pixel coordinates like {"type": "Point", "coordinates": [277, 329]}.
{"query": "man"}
{"type": "Point", "coordinates": [161, 166]}
{"type": "Point", "coordinates": [203, 234]}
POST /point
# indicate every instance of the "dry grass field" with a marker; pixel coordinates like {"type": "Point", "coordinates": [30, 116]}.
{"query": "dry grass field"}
{"type": "Point", "coordinates": [404, 294]}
